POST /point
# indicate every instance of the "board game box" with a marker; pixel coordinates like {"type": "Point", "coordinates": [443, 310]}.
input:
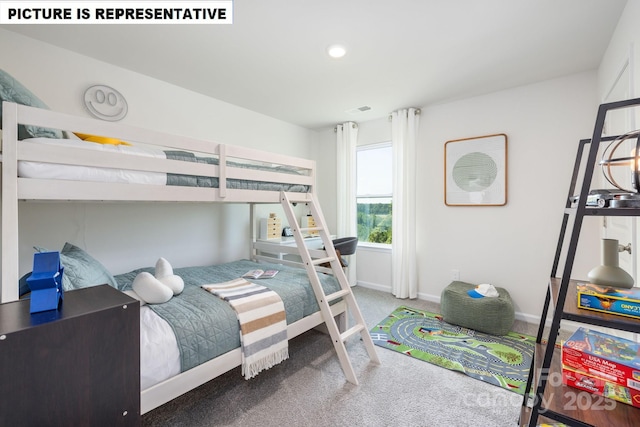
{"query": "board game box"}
{"type": "Point", "coordinates": [605, 356]}
{"type": "Point", "coordinates": [593, 384]}
{"type": "Point", "coordinates": [609, 299]}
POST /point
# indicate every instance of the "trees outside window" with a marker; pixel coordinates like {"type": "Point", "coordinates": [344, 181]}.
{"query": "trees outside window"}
{"type": "Point", "coordinates": [374, 193]}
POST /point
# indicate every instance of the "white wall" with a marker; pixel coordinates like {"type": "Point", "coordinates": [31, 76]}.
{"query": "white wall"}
{"type": "Point", "coordinates": [324, 153]}
{"type": "Point", "coordinates": [126, 236]}
{"type": "Point", "coordinates": [624, 46]}
{"type": "Point", "coordinates": [511, 246]}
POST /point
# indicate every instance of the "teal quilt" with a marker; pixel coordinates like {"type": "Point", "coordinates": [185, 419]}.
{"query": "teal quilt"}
{"type": "Point", "coordinates": [207, 327]}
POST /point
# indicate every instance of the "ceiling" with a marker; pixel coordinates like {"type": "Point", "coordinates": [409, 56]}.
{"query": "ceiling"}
{"type": "Point", "coordinates": [401, 53]}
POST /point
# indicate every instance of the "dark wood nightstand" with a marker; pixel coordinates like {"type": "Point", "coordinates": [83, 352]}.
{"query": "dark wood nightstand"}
{"type": "Point", "coordinates": [77, 366]}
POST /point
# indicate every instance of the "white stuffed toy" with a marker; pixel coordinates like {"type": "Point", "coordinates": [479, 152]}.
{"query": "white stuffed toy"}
{"type": "Point", "coordinates": [150, 289]}
{"type": "Point", "coordinates": [164, 273]}
{"type": "Point", "coordinates": [160, 288]}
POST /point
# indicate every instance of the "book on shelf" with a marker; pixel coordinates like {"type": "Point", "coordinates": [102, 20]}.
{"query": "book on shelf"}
{"type": "Point", "coordinates": [260, 274]}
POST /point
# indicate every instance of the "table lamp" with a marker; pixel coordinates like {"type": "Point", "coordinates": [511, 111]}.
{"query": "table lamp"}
{"type": "Point", "coordinates": [609, 161]}
{"type": "Point", "coordinates": [610, 273]}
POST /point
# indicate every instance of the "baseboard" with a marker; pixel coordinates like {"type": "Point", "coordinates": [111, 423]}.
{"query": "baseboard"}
{"type": "Point", "coordinates": [374, 286]}
{"type": "Point", "coordinates": [528, 318]}
{"type": "Point", "coordinates": [384, 288]}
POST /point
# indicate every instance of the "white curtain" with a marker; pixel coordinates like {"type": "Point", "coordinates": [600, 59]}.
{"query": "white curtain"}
{"type": "Point", "coordinates": [404, 127]}
{"type": "Point", "coordinates": [346, 138]}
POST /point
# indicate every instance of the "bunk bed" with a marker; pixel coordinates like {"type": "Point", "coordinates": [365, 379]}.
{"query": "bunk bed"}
{"type": "Point", "coordinates": [156, 167]}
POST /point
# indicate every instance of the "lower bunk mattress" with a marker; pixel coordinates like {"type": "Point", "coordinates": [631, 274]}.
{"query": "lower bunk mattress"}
{"type": "Point", "coordinates": [196, 326]}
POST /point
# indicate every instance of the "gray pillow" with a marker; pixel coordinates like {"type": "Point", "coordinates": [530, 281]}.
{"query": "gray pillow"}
{"type": "Point", "coordinates": [81, 270]}
{"type": "Point", "coordinates": [13, 91]}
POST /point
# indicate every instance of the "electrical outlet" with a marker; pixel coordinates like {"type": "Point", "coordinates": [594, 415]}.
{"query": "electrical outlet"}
{"type": "Point", "coordinates": [455, 274]}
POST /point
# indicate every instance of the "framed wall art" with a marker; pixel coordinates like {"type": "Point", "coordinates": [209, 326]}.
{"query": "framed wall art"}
{"type": "Point", "coordinates": [475, 171]}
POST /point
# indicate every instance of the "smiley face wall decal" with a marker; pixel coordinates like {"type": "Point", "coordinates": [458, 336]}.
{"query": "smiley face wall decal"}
{"type": "Point", "coordinates": [105, 103]}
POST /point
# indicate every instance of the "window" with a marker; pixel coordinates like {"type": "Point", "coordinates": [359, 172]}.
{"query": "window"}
{"type": "Point", "coordinates": [374, 192]}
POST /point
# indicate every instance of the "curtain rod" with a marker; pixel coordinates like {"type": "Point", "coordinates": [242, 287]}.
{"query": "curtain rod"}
{"type": "Point", "coordinates": [353, 126]}
{"type": "Point", "coordinates": [417, 112]}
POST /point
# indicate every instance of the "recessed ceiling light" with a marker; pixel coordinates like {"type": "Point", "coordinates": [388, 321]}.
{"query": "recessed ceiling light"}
{"type": "Point", "coordinates": [336, 51]}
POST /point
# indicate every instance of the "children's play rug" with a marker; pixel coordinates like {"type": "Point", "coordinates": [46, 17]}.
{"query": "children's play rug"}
{"type": "Point", "coordinates": [500, 360]}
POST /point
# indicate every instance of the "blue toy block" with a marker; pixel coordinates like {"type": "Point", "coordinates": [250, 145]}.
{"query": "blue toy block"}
{"type": "Point", "coordinates": [45, 282]}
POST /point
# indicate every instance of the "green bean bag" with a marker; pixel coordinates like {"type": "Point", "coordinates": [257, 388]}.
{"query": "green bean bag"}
{"type": "Point", "coordinates": [490, 315]}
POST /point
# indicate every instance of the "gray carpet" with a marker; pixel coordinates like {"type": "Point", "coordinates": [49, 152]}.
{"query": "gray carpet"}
{"type": "Point", "coordinates": [309, 389]}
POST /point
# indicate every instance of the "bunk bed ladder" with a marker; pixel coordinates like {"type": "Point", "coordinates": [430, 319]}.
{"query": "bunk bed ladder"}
{"type": "Point", "coordinates": [311, 265]}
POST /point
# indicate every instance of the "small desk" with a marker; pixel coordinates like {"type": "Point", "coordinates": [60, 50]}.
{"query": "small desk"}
{"type": "Point", "coordinates": [272, 246]}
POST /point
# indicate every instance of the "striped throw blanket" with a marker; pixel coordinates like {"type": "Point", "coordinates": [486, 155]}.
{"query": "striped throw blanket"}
{"type": "Point", "coordinates": [263, 324]}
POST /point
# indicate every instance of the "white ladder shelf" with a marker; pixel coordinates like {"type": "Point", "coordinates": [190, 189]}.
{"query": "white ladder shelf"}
{"type": "Point", "coordinates": [331, 257]}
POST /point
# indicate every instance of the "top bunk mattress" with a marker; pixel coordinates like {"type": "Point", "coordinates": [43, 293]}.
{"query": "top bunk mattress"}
{"type": "Point", "coordinates": [58, 171]}
{"type": "Point", "coordinates": [137, 164]}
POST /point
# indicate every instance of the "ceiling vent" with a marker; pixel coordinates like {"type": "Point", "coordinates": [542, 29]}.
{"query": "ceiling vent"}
{"type": "Point", "coordinates": [359, 109]}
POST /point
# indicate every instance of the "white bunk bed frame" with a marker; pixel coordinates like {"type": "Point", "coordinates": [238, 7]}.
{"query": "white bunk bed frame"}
{"type": "Point", "coordinates": [15, 188]}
